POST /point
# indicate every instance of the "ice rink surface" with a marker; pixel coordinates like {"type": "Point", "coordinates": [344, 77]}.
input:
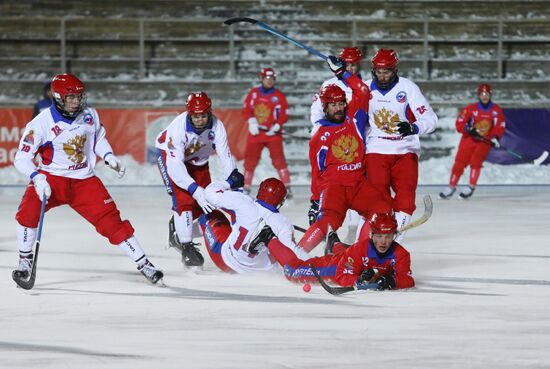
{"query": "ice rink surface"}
{"type": "Point", "coordinates": [482, 269]}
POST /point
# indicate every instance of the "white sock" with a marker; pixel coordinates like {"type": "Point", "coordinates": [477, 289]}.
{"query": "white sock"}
{"type": "Point", "coordinates": [197, 232]}
{"type": "Point", "coordinates": [402, 220]}
{"type": "Point", "coordinates": [26, 237]}
{"type": "Point", "coordinates": [184, 226]}
{"type": "Point", "coordinates": [132, 248]}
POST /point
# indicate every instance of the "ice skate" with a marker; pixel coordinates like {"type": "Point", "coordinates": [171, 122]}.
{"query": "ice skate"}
{"type": "Point", "coordinates": [190, 255]}
{"type": "Point", "coordinates": [467, 193]}
{"type": "Point", "coordinates": [446, 193]}
{"type": "Point", "coordinates": [289, 194]}
{"type": "Point", "coordinates": [149, 271]}
{"type": "Point", "coordinates": [23, 271]}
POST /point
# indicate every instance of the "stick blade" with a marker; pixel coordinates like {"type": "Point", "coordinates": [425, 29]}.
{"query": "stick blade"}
{"type": "Point", "coordinates": [332, 290]}
{"type": "Point", "coordinates": [231, 21]}
{"type": "Point", "coordinates": [541, 159]}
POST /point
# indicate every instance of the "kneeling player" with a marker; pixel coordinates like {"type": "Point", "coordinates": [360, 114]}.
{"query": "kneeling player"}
{"type": "Point", "coordinates": [233, 247]}
{"type": "Point", "coordinates": [380, 260]}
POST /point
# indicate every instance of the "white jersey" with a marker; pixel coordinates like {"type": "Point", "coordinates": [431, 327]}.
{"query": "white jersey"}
{"type": "Point", "coordinates": [66, 148]}
{"type": "Point", "coordinates": [183, 145]}
{"type": "Point", "coordinates": [403, 102]}
{"type": "Point", "coordinates": [316, 111]}
{"type": "Point", "coordinates": [250, 217]}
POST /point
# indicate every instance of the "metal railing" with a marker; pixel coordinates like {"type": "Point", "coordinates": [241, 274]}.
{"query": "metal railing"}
{"type": "Point", "coordinates": [354, 38]}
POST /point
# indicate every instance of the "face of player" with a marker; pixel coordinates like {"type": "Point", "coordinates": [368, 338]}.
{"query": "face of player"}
{"type": "Point", "coordinates": [72, 103]}
{"type": "Point", "coordinates": [382, 242]}
{"type": "Point", "coordinates": [384, 75]}
{"type": "Point", "coordinates": [200, 121]}
{"type": "Point", "coordinates": [336, 111]}
{"type": "Point", "coordinates": [485, 98]}
{"type": "Point", "coordinates": [352, 68]}
{"type": "Point", "coordinates": [268, 82]}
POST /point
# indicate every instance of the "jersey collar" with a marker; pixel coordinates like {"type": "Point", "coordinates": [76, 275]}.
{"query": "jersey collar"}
{"type": "Point", "coordinates": [57, 117]}
{"type": "Point", "coordinates": [266, 92]}
{"type": "Point", "coordinates": [483, 107]}
{"type": "Point", "coordinates": [189, 127]}
{"type": "Point", "coordinates": [374, 86]}
{"type": "Point", "coordinates": [269, 207]}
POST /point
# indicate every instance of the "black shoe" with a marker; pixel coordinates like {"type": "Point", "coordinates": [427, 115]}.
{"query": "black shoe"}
{"type": "Point", "coordinates": [467, 193]}
{"type": "Point", "coordinates": [261, 240]}
{"type": "Point", "coordinates": [331, 240]}
{"type": "Point", "coordinates": [190, 255]}
{"type": "Point", "coordinates": [149, 271]}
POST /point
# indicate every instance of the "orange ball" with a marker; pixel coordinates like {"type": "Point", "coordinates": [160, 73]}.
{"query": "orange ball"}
{"type": "Point", "coordinates": [307, 287]}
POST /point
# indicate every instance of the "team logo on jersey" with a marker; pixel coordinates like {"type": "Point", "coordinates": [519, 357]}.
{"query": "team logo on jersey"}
{"type": "Point", "coordinates": [193, 148]}
{"type": "Point", "coordinates": [274, 99]}
{"type": "Point", "coordinates": [262, 112]}
{"type": "Point", "coordinates": [74, 148]}
{"type": "Point", "coordinates": [401, 97]}
{"type": "Point", "coordinates": [29, 138]}
{"type": "Point", "coordinates": [494, 113]}
{"type": "Point", "coordinates": [88, 119]}
{"type": "Point", "coordinates": [386, 120]}
{"type": "Point", "coordinates": [211, 135]}
{"type": "Point", "coordinates": [483, 127]}
{"type": "Point", "coordinates": [345, 148]}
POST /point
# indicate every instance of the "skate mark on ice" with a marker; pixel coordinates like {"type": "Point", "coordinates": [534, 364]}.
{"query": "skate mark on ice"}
{"type": "Point", "coordinates": [13, 346]}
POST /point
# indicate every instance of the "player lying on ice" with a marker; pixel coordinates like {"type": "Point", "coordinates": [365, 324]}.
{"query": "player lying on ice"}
{"type": "Point", "coordinates": [378, 262]}
{"type": "Point", "coordinates": [67, 137]}
{"type": "Point", "coordinates": [232, 247]}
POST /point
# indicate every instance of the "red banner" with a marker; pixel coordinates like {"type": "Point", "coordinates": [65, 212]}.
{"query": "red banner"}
{"type": "Point", "coordinates": [130, 131]}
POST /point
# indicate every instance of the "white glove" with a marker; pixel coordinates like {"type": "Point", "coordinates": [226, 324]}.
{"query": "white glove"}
{"type": "Point", "coordinates": [41, 186]}
{"type": "Point", "coordinates": [115, 164]}
{"type": "Point", "coordinates": [495, 143]}
{"type": "Point", "coordinates": [273, 130]}
{"type": "Point", "coordinates": [253, 126]}
{"type": "Point", "coordinates": [201, 200]}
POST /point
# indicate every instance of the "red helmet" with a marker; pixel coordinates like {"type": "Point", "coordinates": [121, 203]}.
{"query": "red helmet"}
{"type": "Point", "coordinates": [351, 55]}
{"type": "Point", "coordinates": [272, 191]}
{"type": "Point", "coordinates": [267, 72]}
{"type": "Point", "coordinates": [484, 87]}
{"type": "Point", "coordinates": [383, 223]}
{"type": "Point", "coordinates": [67, 84]}
{"type": "Point", "coordinates": [385, 58]}
{"type": "Point", "coordinates": [198, 103]}
{"type": "Point", "coordinates": [331, 94]}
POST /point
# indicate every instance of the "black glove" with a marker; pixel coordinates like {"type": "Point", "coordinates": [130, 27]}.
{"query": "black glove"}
{"type": "Point", "coordinates": [235, 179]}
{"type": "Point", "coordinates": [366, 276]}
{"type": "Point", "coordinates": [338, 66]}
{"type": "Point", "coordinates": [386, 282]}
{"type": "Point", "coordinates": [313, 211]}
{"type": "Point", "coordinates": [261, 240]}
{"type": "Point", "coordinates": [407, 129]}
{"type": "Point", "coordinates": [471, 130]}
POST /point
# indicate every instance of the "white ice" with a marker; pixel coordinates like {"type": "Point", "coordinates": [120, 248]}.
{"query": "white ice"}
{"type": "Point", "coordinates": [481, 300]}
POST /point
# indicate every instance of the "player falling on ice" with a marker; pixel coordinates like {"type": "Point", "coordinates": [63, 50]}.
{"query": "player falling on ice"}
{"type": "Point", "coordinates": [234, 247]}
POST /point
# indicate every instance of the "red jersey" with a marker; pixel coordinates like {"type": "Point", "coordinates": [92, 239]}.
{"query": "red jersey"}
{"type": "Point", "coordinates": [337, 150]}
{"type": "Point", "coordinates": [268, 107]}
{"type": "Point", "coordinates": [489, 120]}
{"type": "Point", "coordinates": [396, 262]}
